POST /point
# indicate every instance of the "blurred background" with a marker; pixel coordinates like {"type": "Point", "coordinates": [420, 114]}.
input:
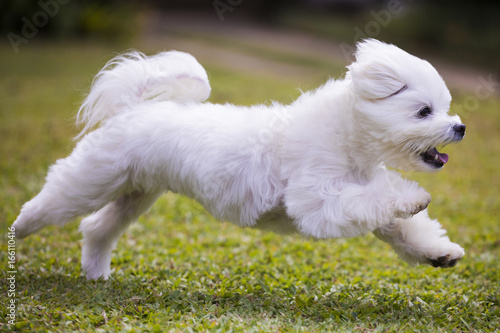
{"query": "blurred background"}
{"type": "Point", "coordinates": [461, 32]}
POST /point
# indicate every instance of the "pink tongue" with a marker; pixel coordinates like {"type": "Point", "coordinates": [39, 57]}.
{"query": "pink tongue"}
{"type": "Point", "coordinates": [443, 157]}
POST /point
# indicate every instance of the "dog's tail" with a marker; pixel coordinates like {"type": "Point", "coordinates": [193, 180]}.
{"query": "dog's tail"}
{"type": "Point", "coordinates": [133, 78]}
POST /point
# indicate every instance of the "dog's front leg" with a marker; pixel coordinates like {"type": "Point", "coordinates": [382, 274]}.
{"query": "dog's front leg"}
{"type": "Point", "coordinates": [407, 197]}
{"type": "Point", "coordinates": [421, 240]}
{"type": "Point", "coordinates": [336, 208]}
{"type": "Point", "coordinates": [385, 197]}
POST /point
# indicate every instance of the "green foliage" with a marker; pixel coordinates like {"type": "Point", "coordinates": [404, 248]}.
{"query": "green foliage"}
{"type": "Point", "coordinates": [109, 19]}
{"type": "Point", "coordinates": [464, 31]}
{"type": "Point", "coordinates": [178, 269]}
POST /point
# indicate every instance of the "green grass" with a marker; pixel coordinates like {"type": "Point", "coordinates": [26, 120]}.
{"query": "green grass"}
{"type": "Point", "coordinates": [178, 269]}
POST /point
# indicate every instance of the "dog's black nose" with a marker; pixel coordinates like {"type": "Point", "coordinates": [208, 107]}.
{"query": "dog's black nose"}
{"type": "Point", "coordinates": [459, 130]}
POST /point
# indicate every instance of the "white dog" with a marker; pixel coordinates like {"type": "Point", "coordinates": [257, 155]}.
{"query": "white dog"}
{"type": "Point", "coordinates": [317, 166]}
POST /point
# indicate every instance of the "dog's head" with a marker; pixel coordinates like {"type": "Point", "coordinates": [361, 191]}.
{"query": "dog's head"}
{"type": "Point", "coordinates": [402, 103]}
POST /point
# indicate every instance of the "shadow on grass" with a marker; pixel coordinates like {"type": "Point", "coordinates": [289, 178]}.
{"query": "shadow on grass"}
{"type": "Point", "coordinates": [136, 298]}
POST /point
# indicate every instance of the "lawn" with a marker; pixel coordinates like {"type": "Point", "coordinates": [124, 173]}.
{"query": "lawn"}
{"type": "Point", "coordinates": [178, 269]}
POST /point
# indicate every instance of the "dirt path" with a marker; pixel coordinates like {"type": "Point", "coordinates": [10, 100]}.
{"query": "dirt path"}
{"type": "Point", "coordinates": [213, 42]}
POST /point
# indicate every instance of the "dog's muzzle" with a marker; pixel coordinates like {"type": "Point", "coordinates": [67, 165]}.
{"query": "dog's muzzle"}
{"type": "Point", "coordinates": [433, 157]}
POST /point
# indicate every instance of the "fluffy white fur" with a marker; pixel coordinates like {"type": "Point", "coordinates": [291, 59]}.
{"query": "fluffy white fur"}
{"type": "Point", "coordinates": [317, 166]}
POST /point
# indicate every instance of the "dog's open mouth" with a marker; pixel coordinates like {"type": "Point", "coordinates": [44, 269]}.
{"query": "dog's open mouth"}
{"type": "Point", "coordinates": [434, 158]}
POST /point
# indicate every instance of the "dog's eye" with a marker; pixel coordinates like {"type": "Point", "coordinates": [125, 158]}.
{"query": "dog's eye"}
{"type": "Point", "coordinates": [424, 112]}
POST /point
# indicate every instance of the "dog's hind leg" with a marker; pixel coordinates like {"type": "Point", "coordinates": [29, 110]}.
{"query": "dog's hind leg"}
{"type": "Point", "coordinates": [102, 229]}
{"type": "Point", "coordinates": [77, 185]}
{"type": "Point", "coordinates": [421, 240]}
{"type": "Point", "coordinates": [63, 199]}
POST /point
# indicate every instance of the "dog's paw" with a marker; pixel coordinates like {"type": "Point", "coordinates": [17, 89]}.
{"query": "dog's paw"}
{"type": "Point", "coordinates": [449, 258]}
{"type": "Point", "coordinates": [96, 270]}
{"type": "Point", "coordinates": [30, 220]}
{"type": "Point", "coordinates": [444, 262]}
{"type": "Point", "coordinates": [413, 204]}
{"type": "Point", "coordinates": [96, 263]}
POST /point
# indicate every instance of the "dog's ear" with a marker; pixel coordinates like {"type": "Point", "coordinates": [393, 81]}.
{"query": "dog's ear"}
{"type": "Point", "coordinates": [376, 74]}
